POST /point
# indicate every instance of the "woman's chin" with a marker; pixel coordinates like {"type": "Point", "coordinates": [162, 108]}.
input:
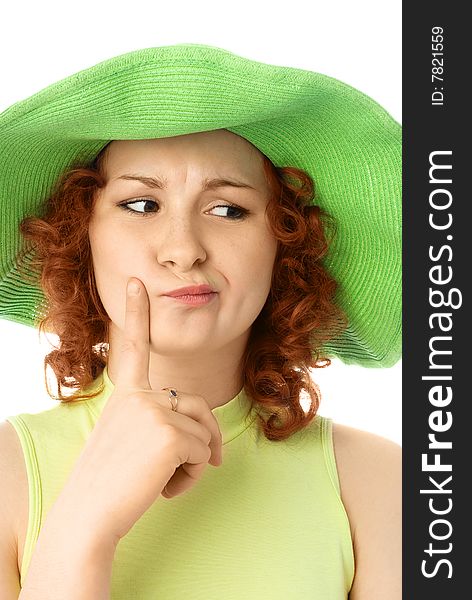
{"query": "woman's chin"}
{"type": "Point", "coordinates": [178, 345]}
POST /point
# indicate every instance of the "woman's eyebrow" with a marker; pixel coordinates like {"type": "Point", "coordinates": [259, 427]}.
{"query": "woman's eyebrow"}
{"type": "Point", "coordinates": [207, 184]}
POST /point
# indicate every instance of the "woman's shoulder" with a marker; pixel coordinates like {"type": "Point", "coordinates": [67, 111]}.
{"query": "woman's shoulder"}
{"type": "Point", "coordinates": [364, 451]}
{"type": "Point", "coordinates": [63, 417]}
{"type": "Point", "coordinates": [369, 470]}
{"type": "Point", "coordinates": [14, 498]}
{"type": "Point", "coordinates": [370, 477]}
{"type": "Point", "coordinates": [49, 439]}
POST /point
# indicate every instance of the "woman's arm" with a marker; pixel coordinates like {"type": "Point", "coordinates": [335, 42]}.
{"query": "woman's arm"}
{"type": "Point", "coordinates": [70, 560]}
{"type": "Point", "coordinates": [13, 485]}
{"type": "Point", "coordinates": [369, 469]}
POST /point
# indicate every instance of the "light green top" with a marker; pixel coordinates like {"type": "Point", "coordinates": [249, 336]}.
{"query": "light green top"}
{"type": "Point", "coordinates": [268, 523]}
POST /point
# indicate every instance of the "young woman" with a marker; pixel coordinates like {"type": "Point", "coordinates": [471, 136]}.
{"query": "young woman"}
{"type": "Point", "coordinates": [199, 230]}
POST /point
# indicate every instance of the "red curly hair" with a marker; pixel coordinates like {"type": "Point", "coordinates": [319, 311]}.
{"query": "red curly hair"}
{"type": "Point", "coordinates": [285, 341]}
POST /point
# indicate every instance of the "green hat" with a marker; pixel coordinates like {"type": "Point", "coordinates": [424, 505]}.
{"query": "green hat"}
{"type": "Point", "coordinates": [347, 142]}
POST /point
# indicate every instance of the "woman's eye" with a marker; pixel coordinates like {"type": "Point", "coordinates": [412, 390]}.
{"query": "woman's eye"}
{"type": "Point", "coordinates": [241, 213]}
{"type": "Point", "coordinates": [233, 212]}
{"type": "Point", "coordinates": [125, 206]}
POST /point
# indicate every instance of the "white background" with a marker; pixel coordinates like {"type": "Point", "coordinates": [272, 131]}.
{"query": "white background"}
{"type": "Point", "coordinates": [356, 42]}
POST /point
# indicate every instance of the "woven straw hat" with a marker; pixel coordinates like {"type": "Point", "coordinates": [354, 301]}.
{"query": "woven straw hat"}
{"type": "Point", "coordinates": [346, 141]}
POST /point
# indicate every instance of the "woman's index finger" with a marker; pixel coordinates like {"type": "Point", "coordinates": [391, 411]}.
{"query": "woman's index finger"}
{"type": "Point", "coordinates": [133, 369]}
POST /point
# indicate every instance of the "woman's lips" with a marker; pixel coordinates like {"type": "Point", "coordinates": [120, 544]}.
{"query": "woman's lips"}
{"type": "Point", "coordinates": [190, 290]}
{"type": "Point", "coordinates": [194, 299]}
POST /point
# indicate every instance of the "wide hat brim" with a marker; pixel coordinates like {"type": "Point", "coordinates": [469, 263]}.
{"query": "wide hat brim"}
{"type": "Point", "coordinates": [345, 140]}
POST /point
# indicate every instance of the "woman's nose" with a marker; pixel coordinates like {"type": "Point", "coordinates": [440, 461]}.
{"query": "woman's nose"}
{"type": "Point", "coordinates": [179, 241]}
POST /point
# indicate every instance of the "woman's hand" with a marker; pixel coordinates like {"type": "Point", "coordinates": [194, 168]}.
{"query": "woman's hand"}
{"type": "Point", "coordinates": [140, 448]}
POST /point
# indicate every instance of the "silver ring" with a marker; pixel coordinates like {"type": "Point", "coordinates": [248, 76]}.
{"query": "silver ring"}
{"type": "Point", "coordinates": [173, 398]}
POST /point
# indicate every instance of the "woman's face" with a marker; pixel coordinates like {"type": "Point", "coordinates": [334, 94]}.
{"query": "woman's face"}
{"type": "Point", "coordinates": [181, 233]}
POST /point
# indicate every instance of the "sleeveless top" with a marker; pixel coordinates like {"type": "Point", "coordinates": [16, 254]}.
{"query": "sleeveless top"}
{"type": "Point", "coordinates": [268, 523]}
